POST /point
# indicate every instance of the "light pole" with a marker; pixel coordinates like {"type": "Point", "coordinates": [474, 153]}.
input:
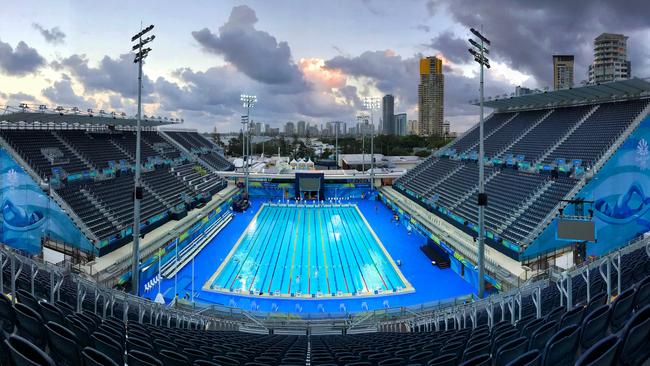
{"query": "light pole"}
{"type": "Point", "coordinates": [360, 131]}
{"type": "Point", "coordinates": [248, 102]}
{"type": "Point", "coordinates": [336, 141]}
{"type": "Point", "coordinates": [479, 51]}
{"type": "Point", "coordinates": [140, 55]}
{"type": "Point", "coordinates": [372, 103]}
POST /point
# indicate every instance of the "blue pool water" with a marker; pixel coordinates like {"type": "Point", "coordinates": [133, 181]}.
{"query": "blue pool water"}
{"type": "Point", "coordinates": [429, 282]}
{"type": "Point", "coordinates": [308, 251]}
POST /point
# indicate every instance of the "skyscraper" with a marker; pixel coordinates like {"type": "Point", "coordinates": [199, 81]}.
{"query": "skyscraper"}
{"type": "Point", "coordinates": [431, 97]}
{"type": "Point", "coordinates": [302, 128]}
{"type": "Point", "coordinates": [388, 115]}
{"type": "Point", "coordinates": [289, 129]}
{"type": "Point", "coordinates": [610, 59]}
{"type": "Point", "coordinates": [562, 72]}
{"type": "Point", "coordinates": [400, 124]}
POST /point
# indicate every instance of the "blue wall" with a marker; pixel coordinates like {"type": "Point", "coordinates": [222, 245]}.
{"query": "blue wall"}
{"type": "Point", "coordinates": [621, 195]}
{"type": "Point", "coordinates": [28, 213]}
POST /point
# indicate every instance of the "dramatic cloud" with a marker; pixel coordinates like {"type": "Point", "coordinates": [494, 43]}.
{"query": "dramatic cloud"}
{"type": "Point", "coordinates": [113, 75]}
{"type": "Point", "coordinates": [53, 35]}
{"type": "Point", "coordinates": [61, 93]}
{"type": "Point", "coordinates": [20, 61]}
{"type": "Point", "coordinates": [453, 48]}
{"type": "Point", "coordinates": [525, 34]}
{"type": "Point", "coordinates": [255, 53]}
{"type": "Point", "coordinates": [23, 97]}
{"type": "Point", "coordinates": [390, 73]}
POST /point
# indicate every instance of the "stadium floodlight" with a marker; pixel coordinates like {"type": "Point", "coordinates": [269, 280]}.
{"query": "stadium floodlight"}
{"type": "Point", "coordinates": [479, 53]}
{"type": "Point", "coordinates": [372, 103]}
{"type": "Point", "coordinates": [248, 102]}
{"type": "Point", "coordinates": [75, 110]}
{"type": "Point", "coordinates": [42, 107]}
{"type": "Point", "coordinates": [140, 55]}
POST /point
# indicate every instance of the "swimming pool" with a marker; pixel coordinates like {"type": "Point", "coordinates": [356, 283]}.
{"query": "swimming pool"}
{"type": "Point", "coordinates": [308, 251]}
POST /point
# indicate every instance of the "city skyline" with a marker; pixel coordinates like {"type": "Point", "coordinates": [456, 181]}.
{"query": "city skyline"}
{"type": "Point", "coordinates": [71, 55]}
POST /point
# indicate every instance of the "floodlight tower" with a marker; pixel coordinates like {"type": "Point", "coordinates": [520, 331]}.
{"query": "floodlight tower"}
{"type": "Point", "coordinates": [248, 102]}
{"type": "Point", "coordinates": [336, 140]}
{"type": "Point", "coordinates": [141, 54]}
{"type": "Point", "coordinates": [479, 51]}
{"type": "Point", "coordinates": [372, 103]}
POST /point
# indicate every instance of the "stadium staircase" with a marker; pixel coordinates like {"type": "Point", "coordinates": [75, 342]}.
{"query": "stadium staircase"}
{"type": "Point", "coordinates": [176, 263]}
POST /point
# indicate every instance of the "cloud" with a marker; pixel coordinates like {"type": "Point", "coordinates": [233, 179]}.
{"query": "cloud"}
{"type": "Point", "coordinates": [119, 75]}
{"type": "Point", "coordinates": [525, 34]}
{"type": "Point", "coordinates": [423, 27]}
{"type": "Point", "coordinates": [255, 53]}
{"type": "Point", "coordinates": [61, 93]}
{"type": "Point", "coordinates": [453, 48]}
{"type": "Point", "coordinates": [19, 61]}
{"type": "Point", "coordinates": [389, 72]}
{"type": "Point", "coordinates": [53, 35]}
{"type": "Point", "coordinates": [24, 97]}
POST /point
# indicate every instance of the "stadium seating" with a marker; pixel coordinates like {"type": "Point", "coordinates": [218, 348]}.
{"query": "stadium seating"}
{"type": "Point", "coordinates": [105, 205]}
{"type": "Point", "coordinates": [56, 334]}
{"type": "Point", "coordinates": [30, 143]}
{"type": "Point", "coordinates": [449, 182]}
{"type": "Point", "coordinates": [202, 148]}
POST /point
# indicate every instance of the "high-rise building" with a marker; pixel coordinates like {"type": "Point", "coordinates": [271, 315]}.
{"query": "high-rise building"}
{"type": "Point", "coordinates": [388, 115]}
{"type": "Point", "coordinates": [562, 72]}
{"type": "Point", "coordinates": [446, 128]}
{"type": "Point", "coordinates": [289, 129]}
{"type": "Point", "coordinates": [400, 124]}
{"type": "Point", "coordinates": [412, 127]}
{"type": "Point", "coordinates": [610, 59]}
{"type": "Point", "coordinates": [431, 97]}
{"type": "Point", "coordinates": [302, 128]}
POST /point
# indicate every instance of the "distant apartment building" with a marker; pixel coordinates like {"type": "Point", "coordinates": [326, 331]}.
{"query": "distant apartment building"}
{"type": "Point", "coordinates": [388, 115]}
{"type": "Point", "coordinates": [400, 124]}
{"type": "Point", "coordinates": [302, 128]}
{"type": "Point", "coordinates": [610, 59]}
{"type": "Point", "coordinates": [431, 97]}
{"type": "Point", "coordinates": [412, 127]}
{"type": "Point", "coordinates": [289, 129]}
{"type": "Point", "coordinates": [562, 72]}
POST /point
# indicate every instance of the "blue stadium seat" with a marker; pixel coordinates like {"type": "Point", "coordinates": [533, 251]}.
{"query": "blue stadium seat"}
{"type": "Point", "coordinates": [541, 336]}
{"type": "Point", "coordinates": [621, 309]}
{"type": "Point", "coordinates": [603, 353]}
{"type": "Point", "coordinates": [594, 326]}
{"type": "Point", "coordinates": [511, 350]}
{"type": "Point", "coordinates": [24, 353]}
{"type": "Point", "coordinates": [137, 358]}
{"type": "Point", "coordinates": [63, 345]}
{"type": "Point", "coordinates": [93, 357]}
{"type": "Point", "coordinates": [530, 358]}
{"type": "Point", "coordinates": [561, 348]}
{"type": "Point", "coordinates": [481, 360]}
{"type": "Point", "coordinates": [636, 338]}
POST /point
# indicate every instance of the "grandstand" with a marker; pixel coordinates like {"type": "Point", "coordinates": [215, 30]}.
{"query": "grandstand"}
{"type": "Point", "coordinates": [362, 293]}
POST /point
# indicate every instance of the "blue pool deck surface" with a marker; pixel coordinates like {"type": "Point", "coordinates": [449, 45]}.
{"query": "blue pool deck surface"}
{"type": "Point", "coordinates": [308, 251]}
{"type": "Point", "coordinates": [429, 283]}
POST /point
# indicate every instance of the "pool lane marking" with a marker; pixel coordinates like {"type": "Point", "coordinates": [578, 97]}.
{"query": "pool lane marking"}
{"type": "Point", "coordinates": [322, 242]}
{"type": "Point", "coordinates": [364, 242]}
{"type": "Point", "coordinates": [293, 257]}
{"type": "Point", "coordinates": [277, 257]}
{"type": "Point", "coordinates": [268, 238]}
{"type": "Point", "coordinates": [226, 261]}
{"type": "Point", "coordinates": [250, 240]}
{"type": "Point", "coordinates": [347, 288]}
{"type": "Point", "coordinates": [308, 253]}
{"type": "Point", "coordinates": [407, 285]}
{"type": "Point", "coordinates": [292, 219]}
{"type": "Point", "coordinates": [250, 249]}
{"type": "Point", "coordinates": [351, 239]}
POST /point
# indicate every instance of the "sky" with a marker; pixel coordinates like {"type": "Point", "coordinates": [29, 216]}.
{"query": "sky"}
{"type": "Point", "coordinates": [305, 60]}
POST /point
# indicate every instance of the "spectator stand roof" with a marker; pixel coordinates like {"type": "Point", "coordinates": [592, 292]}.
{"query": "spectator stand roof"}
{"type": "Point", "coordinates": [604, 92]}
{"type": "Point", "coordinates": [73, 116]}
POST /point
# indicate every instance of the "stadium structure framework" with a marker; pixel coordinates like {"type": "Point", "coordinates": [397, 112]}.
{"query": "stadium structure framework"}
{"type": "Point", "coordinates": [523, 250]}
